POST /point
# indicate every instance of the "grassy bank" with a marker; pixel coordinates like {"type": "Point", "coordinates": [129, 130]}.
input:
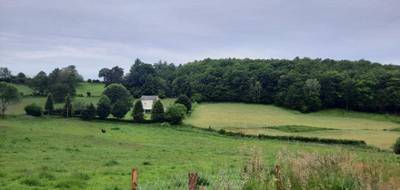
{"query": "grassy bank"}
{"type": "Point", "coordinates": [69, 153]}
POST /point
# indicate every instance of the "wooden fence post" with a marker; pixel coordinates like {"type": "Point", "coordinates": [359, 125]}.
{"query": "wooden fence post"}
{"type": "Point", "coordinates": [134, 179]}
{"type": "Point", "coordinates": [279, 182]}
{"type": "Point", "coordinates": [192, 181]}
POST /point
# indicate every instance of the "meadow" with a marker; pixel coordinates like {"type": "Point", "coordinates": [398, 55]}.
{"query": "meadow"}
{"type": "Point", "coordinates": [58, 153]}
{"type": "Point", "coordinates": [376, 129]}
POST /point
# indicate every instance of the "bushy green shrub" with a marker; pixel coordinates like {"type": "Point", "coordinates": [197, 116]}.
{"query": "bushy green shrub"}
{"type": "Point", "coordinates": [157, 113]}
{"type": "Point", "coordinates": [138, 112]}
{"type": "Point", "coordinates": [396, 146]}
{"type": "Point", "coordinates": [33, 110]}
{"type": "Point", "coordinates": [184, 100]}
{"type": "Point", "coordinates": [103, 107]}
{"type": "Point", "coordinates": [89, 113]}
{"type": "Point", "coordinates": [175, 113]}
{"type": "Point", "coordinates": [119, 109]}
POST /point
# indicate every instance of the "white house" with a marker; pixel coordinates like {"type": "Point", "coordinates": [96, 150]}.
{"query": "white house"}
{"type": "Point", "coordinates": [148, 101]}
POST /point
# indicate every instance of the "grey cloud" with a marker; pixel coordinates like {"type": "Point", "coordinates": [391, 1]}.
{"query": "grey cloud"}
{"type": "Point", "coordinates": [43, 34]}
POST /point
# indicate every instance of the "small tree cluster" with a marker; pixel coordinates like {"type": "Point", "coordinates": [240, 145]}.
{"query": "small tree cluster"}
{"type": "Point", "coordinates": [120, 99]}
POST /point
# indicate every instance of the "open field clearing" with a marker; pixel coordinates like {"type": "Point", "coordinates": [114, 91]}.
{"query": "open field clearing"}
{"type": "Point", "coordinates": [72, 154]}
{"type": "Point", "coordinates": [96, 89]}
{"type": "Point", "coordinates": [258, 119]}
{"type": "Point", "coordinates": [24, 89]}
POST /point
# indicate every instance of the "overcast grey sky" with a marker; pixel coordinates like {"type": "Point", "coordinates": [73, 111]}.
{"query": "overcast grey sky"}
{"type": "Point", "coordinates": [44, 34]}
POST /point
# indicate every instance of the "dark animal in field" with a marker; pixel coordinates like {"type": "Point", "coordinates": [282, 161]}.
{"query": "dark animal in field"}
{"type": "Point", "coordinates": [103, 130]}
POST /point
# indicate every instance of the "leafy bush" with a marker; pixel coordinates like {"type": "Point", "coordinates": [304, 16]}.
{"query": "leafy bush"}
{"type": "Point", "coordinates": [103, 107]}
{"type": "Point", "coordinates": [396, 146]}
{"type": "Point", "coordinates": [89, 113]}
{"type": "Point", "coordinates": [33, 110]}
{"type": "Point", "coordinates": [119, 109]}
{"type": "Point", "coordinates": [184, 100]}
{"type": "Point", "coordinates": [138, 112]}
{"type": "Point", "coordinates": [157, 113]}
{"type": "Point", "coordinates": [175, 113]}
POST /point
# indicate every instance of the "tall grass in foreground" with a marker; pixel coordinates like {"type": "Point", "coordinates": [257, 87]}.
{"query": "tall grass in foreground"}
{"type": "Point", "coordinates": [307, 171]}
{"type": "Point", "coordinates": [298, 171]}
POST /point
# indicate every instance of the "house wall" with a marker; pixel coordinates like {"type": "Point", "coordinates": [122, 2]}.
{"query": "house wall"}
{"type": "Point", "coordinates": [147, 104]}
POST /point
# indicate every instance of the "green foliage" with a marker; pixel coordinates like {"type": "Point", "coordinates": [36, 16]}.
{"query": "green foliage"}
{"type": "Point", "coordinates": [175, 114]}
{"type": "Point", "coordinates": [184, 100]}
{"type": "Point", "coordinates": [113, 75]}
{"type": "Point", "coordinates": [33, 110]}
{"type": "Point", "coordinates": [396, 146]}
{"type": "Point", "coordinates": [157, 112]}
{"type": "Point", "coordinates": [138, 112]}
{"type": "Point", "coordinates": [196, 97]}
{"type": "Point", "coordinates": [117, 92]}
{"type": "Point", "coordinates": [67, 110]}
{"type": "Point", "coordinates": [312, 99]}
{"type": "Point", "coordinates": [59, 82]}
{"type": "Point", "coordinates": [103, 107]}
{"type": "Point", "coordinates": [49, 106]}
{"type": "Point", "coordinates": [119, 109]}
{"type": "Point", "coordinates": [89, 113]}
{"type": "Point", "coordinates": [8, 94]}
{"type": "Point", "coordinates": [40, 83]}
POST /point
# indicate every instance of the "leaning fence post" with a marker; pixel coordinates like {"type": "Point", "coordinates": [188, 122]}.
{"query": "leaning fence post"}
{"type": "Point", "coordinates": [192, 181]}
{"type": "Point", "coordinates": [134, 179]}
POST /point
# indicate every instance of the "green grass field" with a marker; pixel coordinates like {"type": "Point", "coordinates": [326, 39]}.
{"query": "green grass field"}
{"type": "Point", "coordinates": [96, 89]}
{"type": "Point", "coordinates": [24, 89]}
{"type": "Point", "coordinates": [264, 119]}
{"type": "Point", "coordinates": [57, 153]}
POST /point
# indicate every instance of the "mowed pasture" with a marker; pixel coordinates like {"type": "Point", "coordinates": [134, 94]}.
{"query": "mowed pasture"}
{"type": "Point", "coordinates": [376, 129]}
{"type": "Point", "coordinates": [58, 153]}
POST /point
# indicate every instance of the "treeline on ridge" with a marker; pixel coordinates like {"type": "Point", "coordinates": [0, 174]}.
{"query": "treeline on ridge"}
{"type": "Point", "coordinates": [303, 84]}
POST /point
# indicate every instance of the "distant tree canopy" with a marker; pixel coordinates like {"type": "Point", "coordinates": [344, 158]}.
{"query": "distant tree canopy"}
{"type": "Point", "coordinates": [302, 83]}
{"type": "Point", "coordinates": [113, 75]}
{"type": "Point", "coordinates": [60, 82]}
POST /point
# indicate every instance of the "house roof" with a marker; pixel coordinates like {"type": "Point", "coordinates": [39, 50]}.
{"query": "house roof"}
{"type": "Point", "coordinates": [149, 98]}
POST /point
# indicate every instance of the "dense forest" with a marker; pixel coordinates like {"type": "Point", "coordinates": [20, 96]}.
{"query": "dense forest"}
{"type": "Point", "coordinates": [303, 84]}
